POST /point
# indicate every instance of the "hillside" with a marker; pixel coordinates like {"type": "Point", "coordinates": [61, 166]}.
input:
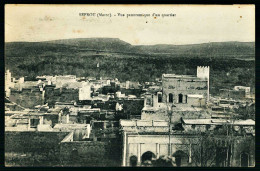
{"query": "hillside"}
{"type": "Point", "coordinates": [127, 62]}
{"type": "Point", "coordinates": [215, 49]}
{"type": "Point", "coordinates": [100, 44]}
{"type": "Point", "coordinates": [113, 45]}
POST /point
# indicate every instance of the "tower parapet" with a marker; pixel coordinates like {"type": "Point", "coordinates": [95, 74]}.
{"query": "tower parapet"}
{"type": "Point", "coordinates": [203, 72]}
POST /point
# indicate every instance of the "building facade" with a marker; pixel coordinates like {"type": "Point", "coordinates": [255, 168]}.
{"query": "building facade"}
{"type": "Point", "coordinates": [147, 141]}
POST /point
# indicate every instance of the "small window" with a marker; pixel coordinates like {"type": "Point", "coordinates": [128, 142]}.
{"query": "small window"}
{"type": "Point", "coordinates": [148, 101]}
{"type": "Point", "coordinates": [170, 98]}
{"type": "Point", "coordinates": [193, 126]}
{"type": "Point", "coordinates": [180, 98]}
{"type": "Point", "coordinates": [159, 98]}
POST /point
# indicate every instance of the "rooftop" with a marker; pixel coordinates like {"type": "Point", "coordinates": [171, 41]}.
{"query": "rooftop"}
{"type": "Point", "coordinates": [33, 112]}
{"type": "Point", "coordinates": [64, 103]}
{"type": "Point", "coordinates": [15, 112]}
{"type": "Point", "coordinates": [154, 89]}
{"type": "Point", "coordinates": [177, 108]}
{"type": "Point", "coordinates": [248, 122]}
{"type": "Point", "coordinates": [195, 95]}
{"type": "Point", "coordinates": [133, 123]}
{"type": "Point", "coordinates": [194, 77]}
{"type": "Point", "coordinates": [178, 76]}
{"type": "Point", "coordinates": [71, 126]}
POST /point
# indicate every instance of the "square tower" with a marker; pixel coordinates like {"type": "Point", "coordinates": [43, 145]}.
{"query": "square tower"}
{"type": "Point", "coordinates": [203, 72]}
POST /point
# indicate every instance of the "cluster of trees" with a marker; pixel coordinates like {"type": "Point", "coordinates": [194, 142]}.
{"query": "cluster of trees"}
{"type": "Point", "coordinates": [224, 73]}
{"type": "Point", "coordinates": [218, 149]}
{"type": "Point", "coordinates": [141, 65]}
{"type": "Point", "coordinates": [246, 112]}
{"type": "Point", "coordinates": [209, 151]}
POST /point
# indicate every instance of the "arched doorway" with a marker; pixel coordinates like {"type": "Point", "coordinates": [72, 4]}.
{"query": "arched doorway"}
{"type": "Point", "coordinates": [147, 158]}
{"type": "Point", "coordinates": [133, 161]}
{"type": "Point", "coordinates": [181, 158]}
{"type": "Point", "coordinates": [170, 98]}
{"type": "Point", "coordinates": [180, 98]}
{"type": "Point", "coordinates": [244, 159]}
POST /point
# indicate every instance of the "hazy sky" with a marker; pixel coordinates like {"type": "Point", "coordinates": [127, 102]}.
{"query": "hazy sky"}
{"type": "Point", "coordinates": [192, 24]}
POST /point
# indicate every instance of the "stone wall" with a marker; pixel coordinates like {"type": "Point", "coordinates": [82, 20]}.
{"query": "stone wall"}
{"type": "Point", "coordinates": [90, 153]}
{"type": "Point", "coordinates": [32, 148]}
{"type": "Point", "coordinates": [27, 98]}
{"type": "Point", "coordinates": [176, 115]}
{"type": "Point", "coordinates": [60, 95]}
{"type": "Point", "coordinates": [225, 93]}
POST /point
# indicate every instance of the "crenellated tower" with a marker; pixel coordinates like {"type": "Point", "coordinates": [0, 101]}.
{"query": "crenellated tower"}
{"type": "Point", "coordinates": [203, 72]}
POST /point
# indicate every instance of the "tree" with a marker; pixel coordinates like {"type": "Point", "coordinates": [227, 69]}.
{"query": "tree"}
{"type": "Point", "coordinates": [210, 148]}
{"type": "Point", "coordinates": [246, 112]}
{"type": "Point", "coordinates": [202, 149]}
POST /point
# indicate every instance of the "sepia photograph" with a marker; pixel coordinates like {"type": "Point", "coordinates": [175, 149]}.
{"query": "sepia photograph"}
{"type": "Point", "coordinates": [129, 85]}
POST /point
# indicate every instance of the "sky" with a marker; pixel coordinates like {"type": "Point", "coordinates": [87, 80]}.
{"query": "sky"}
{"type": "Point", "coordinates": [189, 24]}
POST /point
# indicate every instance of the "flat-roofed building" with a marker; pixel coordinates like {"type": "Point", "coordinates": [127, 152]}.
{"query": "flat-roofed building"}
{"type": "Point", "coordinates": [179, 94]}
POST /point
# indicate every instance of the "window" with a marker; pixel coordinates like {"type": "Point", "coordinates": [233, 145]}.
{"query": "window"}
{"type": "Point", "coordinates": [171, 87]}
{"type": "Point", "coordinates": [148, 101]}
{"type": "Point", "coordinates": [159, 98]}
{"type": "Point", "coordinates": [180, 98]}
{"type": "Point", "coordinates": [223, 102]}
{"type": "Point", "coordinates": [152, 101]}
{"type": "Point", "coordinates": [34, 123]}
{"type": "Point", "coordinates": [170, 98]}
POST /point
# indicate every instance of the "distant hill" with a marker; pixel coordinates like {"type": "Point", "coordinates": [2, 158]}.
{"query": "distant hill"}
{"type": "Point", "coordinates": [26, 49]}
{"type": "Point", "coordinates": [215, 49]}
{"type": "Point", "coordinates": [101, 44]}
